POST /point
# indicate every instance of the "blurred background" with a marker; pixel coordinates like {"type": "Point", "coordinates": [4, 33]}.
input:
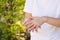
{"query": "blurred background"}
{"type": "Point", "coordinates": [11, 18]}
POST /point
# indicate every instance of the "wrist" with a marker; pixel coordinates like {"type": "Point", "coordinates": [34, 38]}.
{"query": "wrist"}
{"type": "Point", "coordinates": [45, 19]}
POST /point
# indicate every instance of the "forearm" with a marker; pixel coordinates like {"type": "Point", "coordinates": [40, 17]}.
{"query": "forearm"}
{"type": "Point", "coordinates": [53, 21]}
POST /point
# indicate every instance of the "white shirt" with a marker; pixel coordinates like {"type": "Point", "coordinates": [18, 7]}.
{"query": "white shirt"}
{"type": "Point", "coordinates": [40, 8]}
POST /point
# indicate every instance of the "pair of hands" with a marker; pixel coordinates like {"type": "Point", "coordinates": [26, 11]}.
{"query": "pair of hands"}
{"type": "Point", "coordinates": [34, 23]}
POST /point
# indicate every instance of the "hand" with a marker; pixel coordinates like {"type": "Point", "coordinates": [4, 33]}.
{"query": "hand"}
{"type": "Point", "coordinates": [28, 16]}
{"type": "Point", "coordinates": [35, 23]}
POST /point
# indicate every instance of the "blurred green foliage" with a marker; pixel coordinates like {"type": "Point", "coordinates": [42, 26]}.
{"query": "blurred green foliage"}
{"type": "Point", "coordinates": [11, 17]}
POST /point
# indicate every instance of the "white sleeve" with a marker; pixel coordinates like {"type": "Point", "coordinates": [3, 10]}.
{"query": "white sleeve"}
{"type": "Point", "coordinates": [28, 6]}
{"type": "Point", "coordinates": [59, 12]}
{"type": "Point", "coordinates": [59, 15]}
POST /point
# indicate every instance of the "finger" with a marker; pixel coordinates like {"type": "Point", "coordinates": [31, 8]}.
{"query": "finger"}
{"type": "Point", "coordinates": [26, 23]}
{"type": "Point", "coordinates": [29, 26]}
{"type": "Point", "coordinates": [39, 26]}
{"type": "Point", "coordinates": [32, 28]}
{"type": "Point", "coordinates": [36, 29]}
{"type": "Point", "coordinates": [26, 20]}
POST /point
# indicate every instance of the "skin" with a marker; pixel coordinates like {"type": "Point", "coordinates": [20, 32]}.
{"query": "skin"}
{"type": "Point", "coordinates": [33, 23]}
